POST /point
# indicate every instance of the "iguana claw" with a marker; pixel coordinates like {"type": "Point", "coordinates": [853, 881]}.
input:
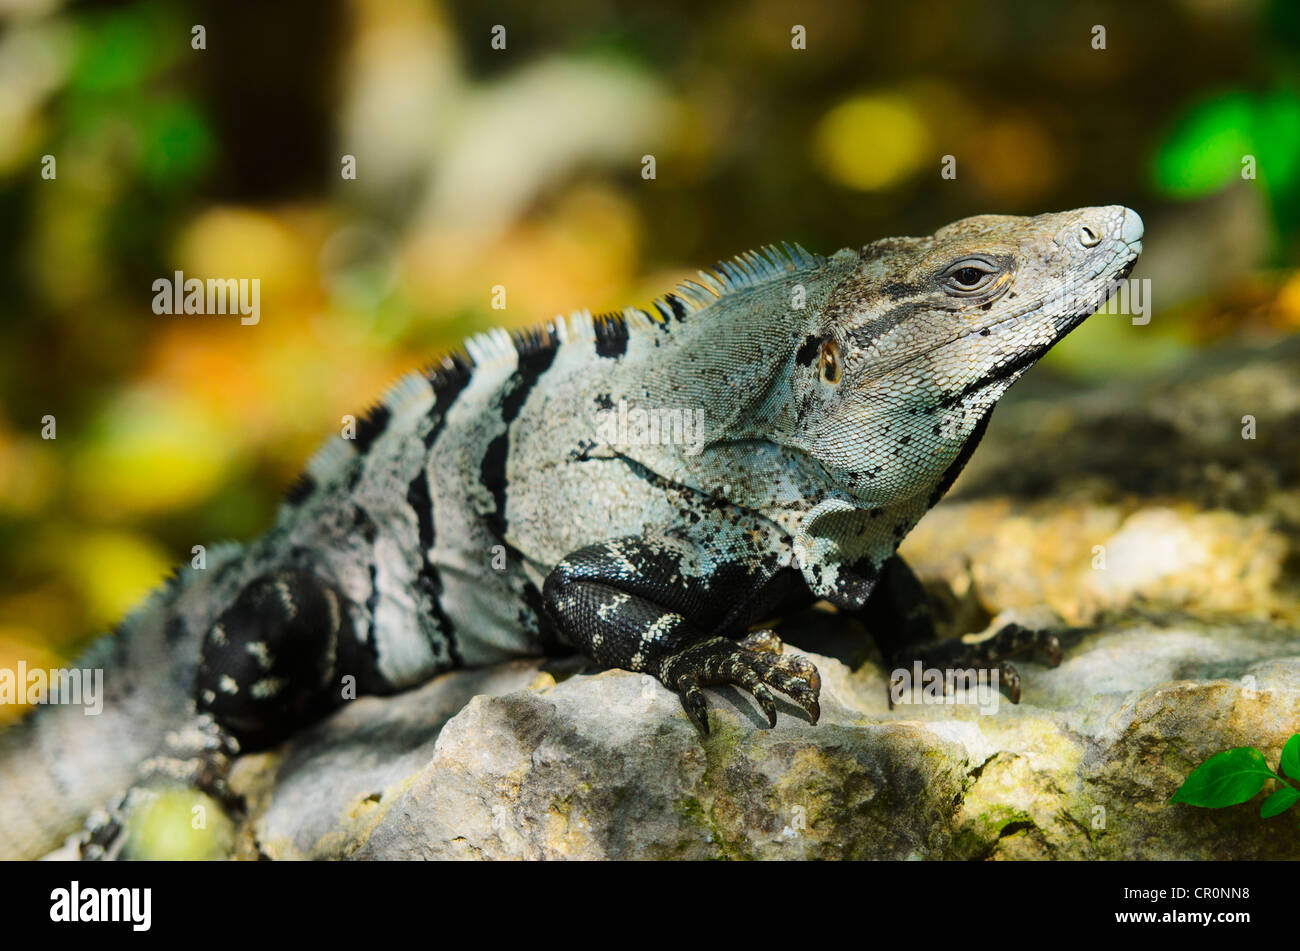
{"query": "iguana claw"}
{"type": "Point", "coordinates": [755, 663]}
{"type": "Point", "coordinates": [992, 653]}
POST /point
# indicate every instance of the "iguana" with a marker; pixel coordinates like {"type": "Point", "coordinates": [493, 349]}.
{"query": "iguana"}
{"type": "Point", "coordinates": [540, 493]}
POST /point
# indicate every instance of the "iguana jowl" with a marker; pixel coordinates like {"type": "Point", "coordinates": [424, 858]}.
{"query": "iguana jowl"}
{"type": "Point", "coordinates": [484, 510]}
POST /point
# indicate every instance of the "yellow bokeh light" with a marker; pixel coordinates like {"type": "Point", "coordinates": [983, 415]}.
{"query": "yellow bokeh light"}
{"type": "Point", "coordinates": [872, 142]}
{"type": "Point", "coordinates": [235, 242]}
{"type": "Point", "coordinates": [20, 644]}
{"type": "Point", "coordinates": [1288, 301]}
{"type": "Point", "coordinates": [153, 451]}
{"type": "Point", "coordinates": [114, 571]}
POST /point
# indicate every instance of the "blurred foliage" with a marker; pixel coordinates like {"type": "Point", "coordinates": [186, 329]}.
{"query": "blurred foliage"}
{"type": "Point", "coordinates": [179, 825]}
{"type": "Point", "coordinates": [522, 167]}
{"type": "Point", "coordinates": [1205, 151]}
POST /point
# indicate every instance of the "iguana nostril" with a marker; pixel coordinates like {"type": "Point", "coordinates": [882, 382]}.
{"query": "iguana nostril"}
{"type": "Point", "coordinates": [1089, 237]}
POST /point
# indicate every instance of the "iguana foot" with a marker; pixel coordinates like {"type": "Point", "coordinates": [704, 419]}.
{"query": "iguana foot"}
{"type": "Point", "coordinates": [992, 653]}
{"type": "Point", "coordinates": [1012, 640]}
{"type": "Point", "coordinates": [755, 663]}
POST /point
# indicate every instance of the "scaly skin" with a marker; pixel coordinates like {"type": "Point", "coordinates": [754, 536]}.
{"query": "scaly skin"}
{"type": "Point", "coordinates": [508, 503]}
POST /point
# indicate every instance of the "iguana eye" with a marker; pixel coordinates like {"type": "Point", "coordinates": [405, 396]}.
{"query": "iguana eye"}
{"type": "Point", "coordinates": [968, 277]}
{"type": "Point", "coordinates": [829, 364]}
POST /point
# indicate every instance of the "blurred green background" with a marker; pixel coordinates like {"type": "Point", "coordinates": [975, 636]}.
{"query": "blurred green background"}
{"type": "Point", "coordinates": [522, 167]}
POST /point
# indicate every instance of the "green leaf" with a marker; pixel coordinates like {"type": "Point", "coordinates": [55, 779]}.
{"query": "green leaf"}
{"type": "Point", "coordinates": [1291, 757]}
{"type": "Point", "coordinates": [1279, 802]}
{"type": "Point", "coordinates": [1225, 779]}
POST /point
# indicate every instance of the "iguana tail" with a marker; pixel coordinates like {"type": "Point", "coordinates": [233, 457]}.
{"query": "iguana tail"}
{"type": "Point", "coordinates": [64, 760]}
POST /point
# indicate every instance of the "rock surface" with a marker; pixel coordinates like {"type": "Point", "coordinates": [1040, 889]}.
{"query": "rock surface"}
{"type": "Point", "coordinates": [1136, 513]}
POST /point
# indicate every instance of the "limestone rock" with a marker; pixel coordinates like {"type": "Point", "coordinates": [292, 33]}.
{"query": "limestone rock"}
{"type": "Point", "coordinates": [1136, 513]}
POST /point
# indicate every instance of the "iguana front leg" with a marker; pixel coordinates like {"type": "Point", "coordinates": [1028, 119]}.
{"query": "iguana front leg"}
{"type": "Point", "coordinates": [643, 604]}
{"type": "Point", "coordinates": [898, 616]}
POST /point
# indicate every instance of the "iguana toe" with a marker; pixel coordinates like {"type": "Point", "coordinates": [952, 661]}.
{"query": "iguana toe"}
{"type": "Point", "coordinates": [755, 663]}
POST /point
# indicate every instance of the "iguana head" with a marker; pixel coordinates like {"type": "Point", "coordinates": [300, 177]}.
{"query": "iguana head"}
{"type": "Point", "coordinates": [914, 346]}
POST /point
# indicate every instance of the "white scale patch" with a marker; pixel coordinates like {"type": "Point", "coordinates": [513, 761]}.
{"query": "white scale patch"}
{"type": "Point", "coordinates": [267, 687]}
{"type": "Point", "coordinates": [259, 651]}
{"type": "Point", "coordinates": [608, 610]}
{"type": "Point", "coordinates": [660, 629]}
